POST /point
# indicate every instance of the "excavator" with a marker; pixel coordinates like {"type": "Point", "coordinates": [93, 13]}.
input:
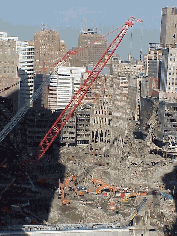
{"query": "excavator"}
{"type": "Point", "coordinates": [126, 198]}
{"type": "Point", "coordinates": [112, 206]}
{"type": "Point", "coordinates": [61, 195]}
{"type": "Point", "coordinates": [97, 181]}
{"type": "Point", "coordinates": [102, 187]}
{"type": "Point", "coordinates": [67, 181]}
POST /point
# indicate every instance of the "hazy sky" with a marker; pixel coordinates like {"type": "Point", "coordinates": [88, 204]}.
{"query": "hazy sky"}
{"type": "Point", "coordinates": [23, 18]}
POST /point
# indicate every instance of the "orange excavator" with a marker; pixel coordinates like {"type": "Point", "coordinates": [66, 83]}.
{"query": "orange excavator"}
{"type": "Point", "coordinates": [67, 181]}
{"type": "Point", "coordinates": [112, 206]}
{"type": "Point", "coordinates": [97, 181]}
{"type": "Point", "coordinates": [62, 197]}
{"type": "Point", "coordinates": [113, 189]}
{"type": "Point", "coordinates": [77, 191]}
{"type": "Point", "coordinates": [102, 187]}
{"type": "Point", "coordinates": [126, 197]}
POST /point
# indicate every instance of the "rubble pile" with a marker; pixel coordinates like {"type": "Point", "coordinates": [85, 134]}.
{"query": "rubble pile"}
{"type": "Point", "coordinates": [119, 159]}
{"type": "Point", "coordinates": [125, 167]}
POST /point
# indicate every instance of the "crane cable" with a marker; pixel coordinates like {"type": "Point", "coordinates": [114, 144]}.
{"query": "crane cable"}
{"type": "Point", "coordinates": [71, 53]}
{"type": "Point", "coordinates": [131, 35]}
{"type": "Point", "coordinates": [141, 50]}
{"type": "Point", "coordinates": [14, 121]}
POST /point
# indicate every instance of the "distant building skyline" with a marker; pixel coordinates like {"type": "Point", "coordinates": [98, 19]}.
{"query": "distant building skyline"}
{"type": "Point", "coordinates": [141, 38]}
{"type": "Point", "coordinates": [168, 35]}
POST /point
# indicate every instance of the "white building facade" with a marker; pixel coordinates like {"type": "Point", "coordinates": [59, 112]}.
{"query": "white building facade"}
{"type": "Point", "coordinates": [26, 71]}
{"type": "Point", "coordinates": [169, 71]}
{"type": "Point", "coordinates": [63, 86]}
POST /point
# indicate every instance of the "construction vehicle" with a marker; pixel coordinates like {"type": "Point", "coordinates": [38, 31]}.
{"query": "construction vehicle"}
{"type": "Point", "coordinates": [97, 181]}
{"type": "Point", "coordinates": [80, 94]}
{"type": "Point", "coordinates": [113, 189]}
{"type": "Point", "coordinates": [78, 190]}
{"type": "Point", "coordinates": [126, 197]}
{"type": "Point", "coordinates": [61, 194]}
{"type": "Point", "coordinates": [112, 206]}
{"type": "Point", "coordinates": [67, 181]}
{"type": "Point", "coordinates": [101, 188]}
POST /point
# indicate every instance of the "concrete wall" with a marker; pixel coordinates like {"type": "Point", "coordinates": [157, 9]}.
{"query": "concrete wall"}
{"type": "Point", "coordinates": [102, 232]}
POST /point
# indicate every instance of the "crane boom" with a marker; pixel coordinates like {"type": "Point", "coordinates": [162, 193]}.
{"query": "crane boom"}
{"type": "Point", "coordinates": [14, 121]}
{"type": "Point", "coordinates": [79, 95]}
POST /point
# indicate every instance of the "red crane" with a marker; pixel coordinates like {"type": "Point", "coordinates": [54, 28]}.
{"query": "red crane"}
{"type": "Point", "coordinates": [79, 95]}
{"type": "Point", "coordinates": [77, 98]}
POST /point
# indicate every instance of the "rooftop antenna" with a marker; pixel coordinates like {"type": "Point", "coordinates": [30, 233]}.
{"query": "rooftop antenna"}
{"type": "Point", "coordinates": [130, 54]}
{"type": "Point", "coordinates": [94, 27]}
{"type": "Point", "coordinates": [141, 50]}
{"type": "Point", "coordinates": [43, 26]}
{"type": "Point", "coordinates": [82, 28]}
{"type": "Point", "coordinates": [85, 27]}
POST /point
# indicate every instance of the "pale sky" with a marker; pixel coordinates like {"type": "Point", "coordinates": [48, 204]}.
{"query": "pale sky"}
{"type": "Point", "coordinates": [23, 18]}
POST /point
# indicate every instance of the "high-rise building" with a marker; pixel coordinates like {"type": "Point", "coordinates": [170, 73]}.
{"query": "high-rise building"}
{"type": "Point", "coordinates": [91, 54]}
{"type": "Point", "coordinates": [9, 68]}
{"type": "Point", "coordinates": [61, 90]}
{"type": "Point", "coordinates": [168, 35]}
{"type": "Point", "coordinates": [47, 48]}
{"type": "Point", "coordinates": [169, 70]}
{"type": "Point", "coordinates": [63, 46]}
{"type": "Point", "coordinates": [26, 51]}
{"type": "Point", "coordinates": [63, 86]}
{"type": "Point", "coordinates": [154, 60]}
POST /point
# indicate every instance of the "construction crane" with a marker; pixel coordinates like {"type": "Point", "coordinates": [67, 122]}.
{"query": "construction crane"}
{"type": "Point", "coordinates": [80, 94]}
{"type": "Point", "coordinates": [14, 121]}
